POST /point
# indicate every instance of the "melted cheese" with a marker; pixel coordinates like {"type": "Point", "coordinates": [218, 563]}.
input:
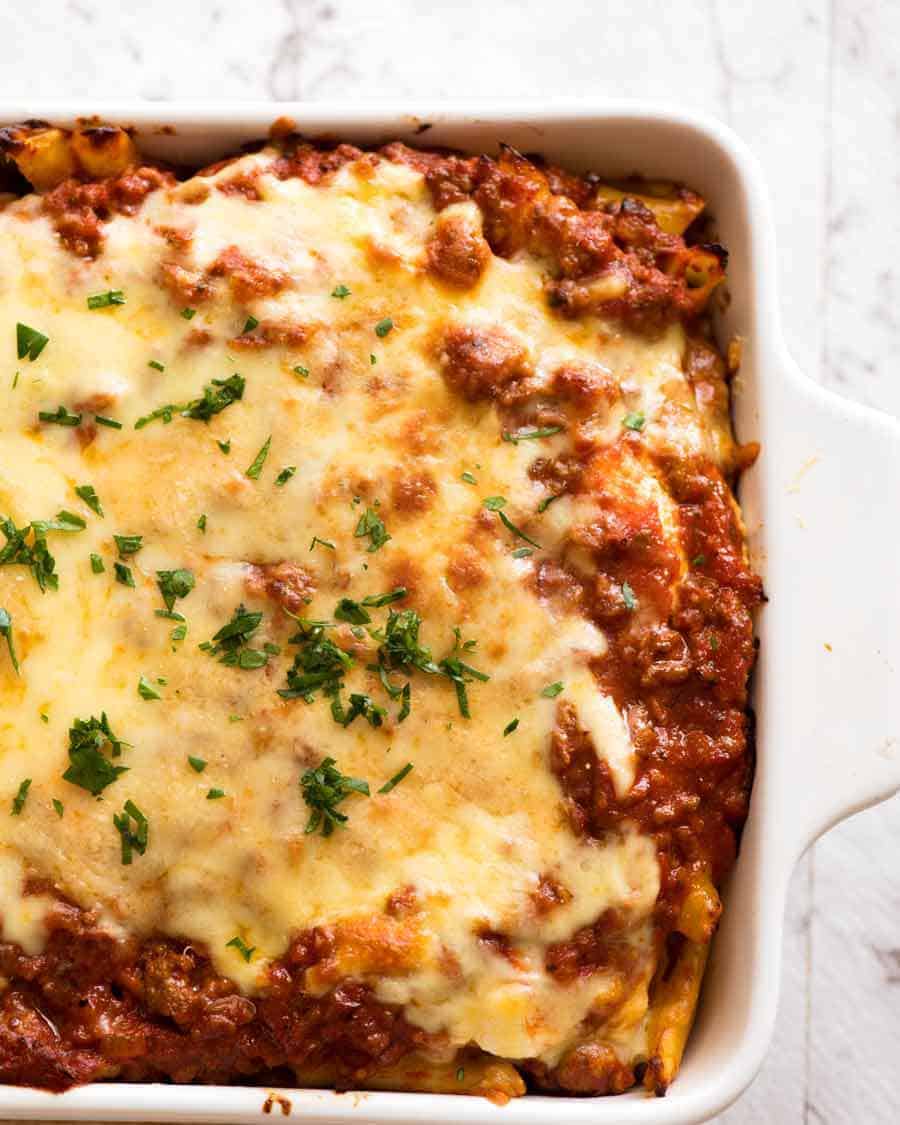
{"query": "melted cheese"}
{"type": "Point", "coordinates": [480, 819]}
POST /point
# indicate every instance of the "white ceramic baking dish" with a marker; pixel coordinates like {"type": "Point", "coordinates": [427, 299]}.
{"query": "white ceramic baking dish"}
{"type": "Point", "coordinates": [821, 507]}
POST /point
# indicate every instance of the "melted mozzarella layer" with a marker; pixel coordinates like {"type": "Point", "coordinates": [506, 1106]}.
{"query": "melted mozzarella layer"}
{"type": "Point", "coordinates": [480, 819]}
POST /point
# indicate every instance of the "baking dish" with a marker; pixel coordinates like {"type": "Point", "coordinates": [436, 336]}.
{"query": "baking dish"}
{"type": "Point", "coordinates": [813, 524]}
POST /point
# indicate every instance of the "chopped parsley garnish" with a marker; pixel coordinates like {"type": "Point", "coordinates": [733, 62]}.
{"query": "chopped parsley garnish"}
{"type": "Point", "coordinates": [339, 291]}
{"type": "Point", "coordinates": [62, 521]}
{"type": "Point", "coordinates": [249, 324]}
{"type": "Point", "coordinates": [146, 690]}
{"type": "Point", "coordinates": [400, 647]}
{"type": "Point", "coordinates": [698, 560]}
{"type": "Point", "coordinates": [376, 601]}
{"type": "Point", "coordinates": [324, 788]}
{"type": "Point", "coordinates": [322, 543]}
{"type": "Point", "coordinates": [20, 797]}
{"type": "Point", "coordinates": [123, 574]}
{"type": "Point", "coordinates": [106, 300]}
{"type": "Point", "coordinates": [259, 460]}
{"type": "Point", "coordinates": [302, 371]}
{"type": "Point", "coordinates": [496, 504]}
{"type": "Point", "coordinates": [383, 327]}
{"type": "Point", "coordinates": [371, 524]}
{"type": "Point", "coordinates": [396, 779]}
{"type": "Point", "coordinates": [634, 420]}
{"type": "Point", "coordinates": [216, 396]}
{"type": "Point", "coordinates": [198, 765]}
{"type": "Point", "coordinates": [460, 1073]}
{"type": "Point", "coordinates": [111, 423]}
{"type": "Point", "coordinates": [319, 665]}
{"type": "Point", "coordinates": [60, 417]}
{"type": "Point", "coordinates": [188, 314]}
{"type": "Point", "coordinates": [29, 342]}
{"type": "Point", "coordinates": [133, 839]}
{"type": "Point", "coordinates": [17, 551]}
{"type": "Point", "coordinates": [58, 807]}
{"type": "Point", "coordinates": [532, 434]}
{"type": "Point", "coordinates": [178, 633]}
{"type": "Point", "coordinates": [548, 500]}
{"type": "Point", "coordinates": [238, 943]}
{"type": "Point", "coordinates": [6, 631]}
{"type": "Point", "coordinates": [230, 643]}
{"type": "Point", "coordinates": [128, 544]}
{"type": "Point", "coordinates": [201, 523]}
{"type": "Point", "coordinates": [88, 767]}
{"type": "Point", "coordinates": [285, 475]}
{"type": "Point", "coordinates": [510, 727]}
{"type": "Point", "coordinates": [372, 359]}
{"type": "Point", "coordinates": [215, 794]}
{"type": "Point", "coordinates": [87, 493]}
{"type": "Point", "coordinates": [225, 446]}
{"type": "Point", "coordinates": [628, 596]}
{"type": "Point", "coordinates": [174, 584]}
{"type": "Point", "coordinates": [461, 673]}
{"type": "Point", "coordinates": [359, 705]}
{"type": "Point", "coordinates": [156, 365]}
{"type": "Point", "coordinates": [522, 553]}
{"type": "Point", "coordinates": [551, 691]}
{"type": "Point", "coordinates": [468, 478]}
{"type": "Point", "coordinates": [352, 612]}
{"type": "Point", "coordinates": [97, 564]}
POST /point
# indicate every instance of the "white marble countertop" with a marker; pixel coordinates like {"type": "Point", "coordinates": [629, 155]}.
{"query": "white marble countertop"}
{"type": "Point", "coordinates": [814, 87]}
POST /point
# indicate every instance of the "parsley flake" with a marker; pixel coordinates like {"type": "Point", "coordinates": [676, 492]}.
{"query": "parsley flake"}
{"type": "Point", "coordinates": [124, 575]}
{"type": "Point", "coordinates": [201, 523]}
{"type": "Point", "coordinates": [397, 778]}
{"type": "Point", "coordinates": [339, 291]}
{"type": "Point", "coordinates": [383, 327]}
{"type": "Point", "coordinates": [216, 396]}
{"type": "Point", "coordinates": [29, 342]}
{"type": "Point", "coordinates": [6, 631]}
{"type": "Point", "coordinates": [259, 460]}
{"type": "Point", "coordinates": [249, 324]}
{"type": "Point", "coordinates": [146, 690]}
{"type": "Point", "coordinates": [60, 417]}
{"type": "Point", "coordinates": [156, 365]}
{"type": "Point", "coordinates": [97, 564]}
{"type": "Point", "coordinates": [20, 797]}
{"type": "Point", "coordinates": [106, 300]}
{"type": "Point", "coordinates": [551, 691]}
{"type": "Point", "coordinates": [634, 420]}
{"type": "Point", "coordinates": [468, 478]}
{"type": "Point", "coordinates": [230, 642]}
{"type": "Point", "coordinates": [371, 524]}
{"type": "Point", "coordinates": [128, 544]}
{"type": "Point", "coordinates": [88, 767]}
{"type": "Point", "coordinates": [133, 839]}
{"type": "Point", "coordinates": [87, 493]}
{"type": "Point", "coordinates": [110, 423]}
{"type": "Point", "coordinates": [302, 371]}
{"type": "Point", "coordinates": [174, 584]}
{"type": "Point", "coordinates": [628, 596]}
{"type": "Point", "coordinates": [377, 601]}
{"type": "Point", "coordinates": [188, 314]}
{"type": "Point", "coordinates": [324, 788]}
{"type": "Point", "coordinates": [322, 543]}
{"type": "Point", "coordinates": [510, 727]}
{"type": "Point", "coordinates": [285, 475]}
{"type": "Point", "coordinates": [58, 807]}
{"type": "Point", "coordinates": [532, 434]}
{"type": "Point", "coordinates": [225, 446]}
{"type": "Point", "coordinates": [238, 943]}
{"type": "Point", "coordinates": [215, 794]}
{"type": "Point", "coordinates": [198, 765]}
{"type": "Point", "coordinates": [548, 500]}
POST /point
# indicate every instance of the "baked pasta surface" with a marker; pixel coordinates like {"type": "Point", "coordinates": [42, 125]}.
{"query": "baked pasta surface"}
{"type": "Point", "coordinates": [375, 622]}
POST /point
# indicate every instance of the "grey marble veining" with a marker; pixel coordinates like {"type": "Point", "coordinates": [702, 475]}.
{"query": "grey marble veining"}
{"type": "Point", "coordinates": [814, 87]}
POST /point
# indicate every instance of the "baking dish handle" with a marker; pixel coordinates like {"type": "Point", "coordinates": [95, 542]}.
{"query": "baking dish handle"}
{"type": "Point", "coordinates": [834, 568]}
